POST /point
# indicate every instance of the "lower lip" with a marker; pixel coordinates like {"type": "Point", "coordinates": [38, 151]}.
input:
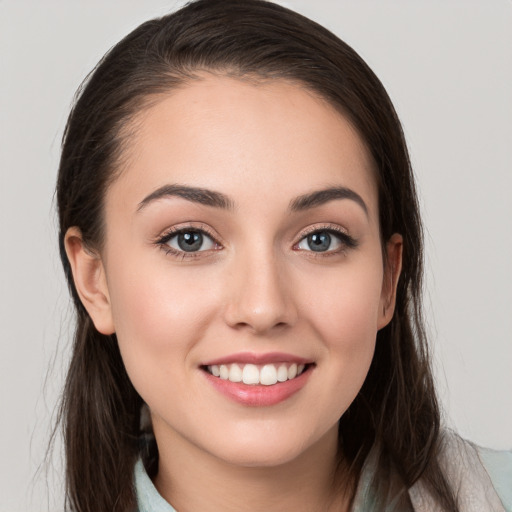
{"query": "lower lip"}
{"type": "Point", "coordinates": [259, 395]}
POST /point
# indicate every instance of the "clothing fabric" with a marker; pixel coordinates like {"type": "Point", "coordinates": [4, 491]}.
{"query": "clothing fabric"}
{"type": "Point", "coordinates": [482, 479]}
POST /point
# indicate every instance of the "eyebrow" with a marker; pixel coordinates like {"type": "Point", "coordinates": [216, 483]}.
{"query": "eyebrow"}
{"type": "Point", "coordinates": [194, 194]}
{"type": "Point", "coordinates": [320, 197]}
{"type": "Point", "coordinates": [218, 200]}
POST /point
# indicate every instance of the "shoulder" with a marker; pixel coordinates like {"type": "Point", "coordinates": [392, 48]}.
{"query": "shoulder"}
{"type": "Point", "coordinates": [481, 478]}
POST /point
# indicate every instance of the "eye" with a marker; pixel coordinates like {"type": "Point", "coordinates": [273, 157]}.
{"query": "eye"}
{"type": "Point", "coordinates": [190, 240]}
{"type": "Point", "coordinates": [187, 242]}
{"type": "Point", "coordinates": [326, 240]}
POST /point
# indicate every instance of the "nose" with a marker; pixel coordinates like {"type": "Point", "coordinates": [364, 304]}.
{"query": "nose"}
{"type": "Point", "coordinates": [260, 297]}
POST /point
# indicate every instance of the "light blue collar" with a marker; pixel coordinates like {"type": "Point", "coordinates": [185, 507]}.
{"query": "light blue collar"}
{"type": "Point", "coordinates": [148, 498]}
{"type": "Point", "coordinates": [385, 495]}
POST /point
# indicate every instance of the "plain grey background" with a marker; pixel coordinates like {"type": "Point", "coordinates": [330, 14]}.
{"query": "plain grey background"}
{"type": "Point", "coordinates": [447, 66]}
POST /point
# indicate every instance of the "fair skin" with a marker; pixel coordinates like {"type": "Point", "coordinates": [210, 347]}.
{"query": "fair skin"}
{"type": "Point", "coordinates": [268, 279]}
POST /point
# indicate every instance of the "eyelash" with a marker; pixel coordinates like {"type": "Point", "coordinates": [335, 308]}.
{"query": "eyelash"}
{"type": "Point", "coordinates": [163, 241]}
{"type": "Point", "coordinates": [347, 242]}
{"type": "Point", "coordinates": [345, 239]}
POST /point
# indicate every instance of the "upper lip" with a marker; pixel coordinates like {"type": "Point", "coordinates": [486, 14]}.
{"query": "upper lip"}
{"type": "Point", "coordinates": [255, 358]}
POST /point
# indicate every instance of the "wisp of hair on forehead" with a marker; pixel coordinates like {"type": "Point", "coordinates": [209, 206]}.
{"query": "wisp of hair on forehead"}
{"type": "Point", "coordinates": [256, 40]}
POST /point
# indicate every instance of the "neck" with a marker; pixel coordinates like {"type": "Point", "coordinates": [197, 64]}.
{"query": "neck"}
{"type": "Point", "coordinates": [194, 480]}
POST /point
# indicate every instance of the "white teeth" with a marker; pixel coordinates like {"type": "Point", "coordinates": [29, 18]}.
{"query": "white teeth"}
{"type": "Point", "coordinates": [268, 375]}
{"type": "Point", "coordinates": [292, 371]}
{"type": "Point", "coordinates": [224, 372]}
{"type": "Point", "coordinates": [251, 374]}
{"type": "Point", "coordinates": [235, 373]}
{"type": "Point", "coordinates": [282, 373]}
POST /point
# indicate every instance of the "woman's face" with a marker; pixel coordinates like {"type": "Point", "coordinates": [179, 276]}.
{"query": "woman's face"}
{"type": "Point", "coordinates": [242, 242]}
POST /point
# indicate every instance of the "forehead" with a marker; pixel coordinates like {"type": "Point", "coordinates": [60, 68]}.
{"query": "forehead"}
{"type": "Point", "coordinates": [243, 138]}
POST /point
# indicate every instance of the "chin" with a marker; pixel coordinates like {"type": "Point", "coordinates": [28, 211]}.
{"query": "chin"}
{"type": "Point", "coordinates": [264, 449]}
{"type": "Point", "coordinates": [256, 457]}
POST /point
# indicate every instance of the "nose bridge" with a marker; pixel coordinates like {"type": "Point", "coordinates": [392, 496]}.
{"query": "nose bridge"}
{"type": "Point", "coordinates": [259, 297]}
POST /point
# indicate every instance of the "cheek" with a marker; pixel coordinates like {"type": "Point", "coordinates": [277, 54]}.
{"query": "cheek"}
{"type": "Point", "coordinates": [345, 305]}
{"type": "Point", "coordinates": [345, 316]}
{"type": "Point", "coordinates": [159, 316]}
{"type": "Point", "coordinates": [154, 299]}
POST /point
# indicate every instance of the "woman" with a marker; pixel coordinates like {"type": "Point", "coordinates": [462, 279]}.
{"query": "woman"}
{"type": "Point", "coordinates": [240, 232]}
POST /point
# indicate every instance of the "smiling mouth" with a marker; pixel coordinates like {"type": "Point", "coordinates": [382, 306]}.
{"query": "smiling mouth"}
{"type": "Point", "coordinates": [253, 375]}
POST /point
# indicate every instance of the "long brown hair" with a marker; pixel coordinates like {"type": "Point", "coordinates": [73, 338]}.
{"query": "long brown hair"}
{"type": "Point", "coordinates": [396, 408]}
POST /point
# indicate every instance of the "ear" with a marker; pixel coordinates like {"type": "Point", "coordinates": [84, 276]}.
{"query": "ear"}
{"type": "Point", "coordinates": [392, 269]}
{"type": "Point", "coordinates": [90, 280]}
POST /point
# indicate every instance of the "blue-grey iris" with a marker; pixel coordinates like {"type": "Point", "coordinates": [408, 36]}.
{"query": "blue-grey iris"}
{"type": "Point", "coordinates": [190, 241]}
{"type": "Point", "coordinates": [319, 241]}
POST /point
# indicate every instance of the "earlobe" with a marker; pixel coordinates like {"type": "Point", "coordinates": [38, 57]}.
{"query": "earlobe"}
{"type": "Point", "coordinates": [392, 269]}
{"type": "Point", "coordinates": [90, 281]}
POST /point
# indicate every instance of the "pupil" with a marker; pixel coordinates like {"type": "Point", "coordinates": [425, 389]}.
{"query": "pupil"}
{"type": "Point", "coordinates": [190, 241]}
{"type": "Point", "coordinates": [319, 242]}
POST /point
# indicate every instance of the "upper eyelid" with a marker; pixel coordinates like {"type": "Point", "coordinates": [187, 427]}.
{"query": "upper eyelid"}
{"type": "Point", "coordinates": [184, 227]}
{"type": "Point", "coordinates": [322, 227]}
